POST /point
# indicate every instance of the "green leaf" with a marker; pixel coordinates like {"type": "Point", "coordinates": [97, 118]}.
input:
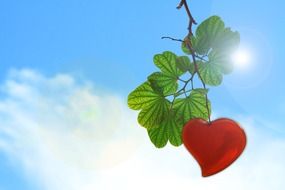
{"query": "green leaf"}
{"type": "Point", "coordinates": [206, 34]}
{"type": "Point", "coordinates": [143, 97]}
{"type": "Point", "coordinates": [194, 106]}
{"type": "Point", "coordinates": [210, 74]}
{"type": "Point", "coordinates": [214, 40]}
{"type": "Point", "coordinates": [163, 83]}
{"type": "Point", "coordinates": [184, 64]}
{"type": "Point", "coordinates": [212, 34]}
{"type": "Point", "coordinates": [170, 130]}
{"type": "Point", "coordinates": [166, 62]}
{"type": "Point", "coordinates": [154, 105]}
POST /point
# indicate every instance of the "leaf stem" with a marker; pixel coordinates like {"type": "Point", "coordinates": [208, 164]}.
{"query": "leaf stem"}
{"type": "Point", "coordinates": [183, 89]}
{"type": "Point", "coordinates": [201, 58]}
{"type": "Point", "coordinates": [192, 84]}
{"type": "Point", "coordinates": [182, 80]}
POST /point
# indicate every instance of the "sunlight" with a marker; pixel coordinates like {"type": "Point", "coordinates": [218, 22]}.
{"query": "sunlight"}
{"type": "Point", "coordinates": [242, 59]}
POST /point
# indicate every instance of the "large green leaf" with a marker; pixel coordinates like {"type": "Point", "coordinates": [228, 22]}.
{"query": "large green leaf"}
{"type": "Point", "coordinates": [154, 105]}
{"type": "Point", "coordinates": [206, 34]}
{"type": "Point", "coordinates": [163, 83]}
{"type": "Point", "coordinates": [212, 34]}
{"type": "Point", "coordinates": [210, 74]}
{"type": "Point", "coordinates": [166, 62]}
{"type": "Point", "coordinates": [216, 41]}
{"type": "Point", "coordinates": [170, 130]}
{"type": "Point", "coordinates": [194, 106]}
{"type": "Point", "coordinates": [143, 96]}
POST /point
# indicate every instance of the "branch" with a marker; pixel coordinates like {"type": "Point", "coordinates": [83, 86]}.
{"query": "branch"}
{"type": "Point", "coordinates": [191, 19]}
{"type": "Point", "coordinates": [189, 46]}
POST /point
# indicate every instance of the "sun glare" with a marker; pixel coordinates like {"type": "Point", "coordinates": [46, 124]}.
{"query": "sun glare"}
{"type": "Point", "coordinates": [242, 59]}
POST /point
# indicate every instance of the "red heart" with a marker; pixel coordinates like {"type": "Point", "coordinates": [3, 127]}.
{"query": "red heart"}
{"type": "Point", "coordinates": [214, 145]}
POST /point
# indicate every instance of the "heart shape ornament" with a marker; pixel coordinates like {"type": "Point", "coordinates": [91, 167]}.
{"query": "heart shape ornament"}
{"type": "Point", "coordinates": [215, 145]}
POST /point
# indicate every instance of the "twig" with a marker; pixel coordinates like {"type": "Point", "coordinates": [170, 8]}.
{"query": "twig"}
{"type": "Point", "coordinates": [173, 39]}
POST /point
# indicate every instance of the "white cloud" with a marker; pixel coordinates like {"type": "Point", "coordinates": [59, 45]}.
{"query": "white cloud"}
{"type": "Point", "coordinates": [67, 135]}
{"type": "Point", "coordinates": [57, 129]}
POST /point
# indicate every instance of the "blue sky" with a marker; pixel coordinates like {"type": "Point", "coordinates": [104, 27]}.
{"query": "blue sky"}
{"type": "Point", "coordinates": [111, 43]}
